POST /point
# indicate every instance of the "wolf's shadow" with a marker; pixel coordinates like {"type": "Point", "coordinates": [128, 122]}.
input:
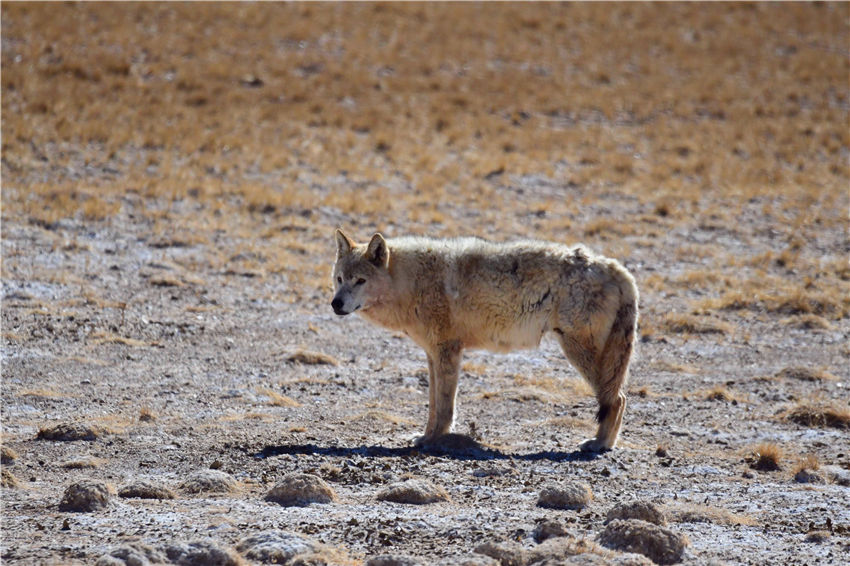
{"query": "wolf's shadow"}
{"type": "Point", "coordinates": [454, 446]}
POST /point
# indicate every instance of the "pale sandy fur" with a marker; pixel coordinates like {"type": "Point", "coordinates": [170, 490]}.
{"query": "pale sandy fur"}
{"type": "Point", "coordinates": [467, 293]}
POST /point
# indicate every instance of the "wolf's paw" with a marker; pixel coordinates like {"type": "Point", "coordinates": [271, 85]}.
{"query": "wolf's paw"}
{"type": "Point", "coordinates": [592, 445]}
{"type": "Point", "coordinates": [424, 440]}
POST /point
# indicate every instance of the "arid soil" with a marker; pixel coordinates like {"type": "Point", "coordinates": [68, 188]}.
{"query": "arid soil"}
{"type": "Point", "coordinates": [167, 321]}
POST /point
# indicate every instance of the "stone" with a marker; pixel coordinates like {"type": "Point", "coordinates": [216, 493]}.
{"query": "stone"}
{"type": "Point", "coordinates": [643, 510]}
{"type": "Point", "coordinates": [414, 492]}
{"type": "Point", "coordinates": [85, 496]}
{"type": "Point", "coordinates": [209, 481]}
{"type": "Point", "coordinates": [659, 544]}
{"type": "Point", "coordinates": [571, 495]}
{"type": "Point", "coordinates": [300, 490]}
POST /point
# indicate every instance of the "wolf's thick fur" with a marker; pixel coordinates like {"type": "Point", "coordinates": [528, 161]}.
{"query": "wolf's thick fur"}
{"type": "Point", "coordinates": [449, 295]}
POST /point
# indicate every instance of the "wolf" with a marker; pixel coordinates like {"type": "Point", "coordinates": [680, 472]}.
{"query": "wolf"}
{"type": "Point", "coordinates": [449, 295]}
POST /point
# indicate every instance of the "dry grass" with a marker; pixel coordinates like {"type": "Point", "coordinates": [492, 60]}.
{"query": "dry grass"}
{"type": "Point", "coordinates": [386, 111]}
{"type": "Point", "coordinates": [85, 463]}
{"type": "Point", "coordinates": [690, 324]}
{"type": "Point", "coordinates": [277, 399]}
{"type": "Point", "coordinates": [102, 337]}
{"type": "Point", "coordinates": [720, 393]}
{"type": "Point", "coordinates": [776, 296]}
{"type": "Point", "coordinates": [820, 415]}
{"type": "Point", "coordinates": [309, 357]}
{"type": "Point", "coordinates": [147, 415]}
{"type": "Point", "coordinates": [803, 373]}
{"type": "Point", "coordinates": [766, 457]}
{"type": "Point", "coordinates": [809, 462]}
{"type": "Point", "coordinates": [695, 513]}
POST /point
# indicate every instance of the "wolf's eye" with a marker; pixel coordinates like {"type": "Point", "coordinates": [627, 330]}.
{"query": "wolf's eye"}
{"type": "Point", "coordinates": [360, 281]}
{"type": "Point", "coordinates": [339, 280]}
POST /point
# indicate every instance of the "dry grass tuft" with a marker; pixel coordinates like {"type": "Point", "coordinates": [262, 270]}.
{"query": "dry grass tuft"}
{"type": "Point", "coordinates": [766, 457]}
{"type": "Point", "coordinates": [820, 416]}
{"type": "Point", "coordinates": [808, 463]}
{"type": "Point", "coordinates": [277, 399]}
{"type": "Point", "coordinates": [147, 415]}
{"type": "Point", "coordinates": [102, 337]}
{"type": "Point", "coordinates": [689, 324]}
{"type": "Point", "coordinates": [87, 463]}
{"type": "Point", "coordinates": [805, 374]}
{"type": "Point", "coordinates": [720, 393]}
{"type": "Point", "coordinates": [695, 513]}
{"type": "Point", "coordinates": [807, 322]}
{"type": "Point", "coordinates": [309, 357]}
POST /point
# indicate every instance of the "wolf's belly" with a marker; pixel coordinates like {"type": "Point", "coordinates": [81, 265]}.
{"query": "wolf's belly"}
{"type": "Point", "coordinates": [516, 337]}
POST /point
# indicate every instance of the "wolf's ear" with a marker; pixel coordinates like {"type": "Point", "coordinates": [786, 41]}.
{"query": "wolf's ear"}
{"type": "Point", "coordinates": [343, 243]}
{"type": "Point", "coordinates": [377, 252]}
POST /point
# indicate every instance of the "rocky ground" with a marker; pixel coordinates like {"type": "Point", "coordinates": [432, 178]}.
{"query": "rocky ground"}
{"type": "Point", "coordinates": [176, 388]}
{"type": "Point", "coordinates": [162, 372]}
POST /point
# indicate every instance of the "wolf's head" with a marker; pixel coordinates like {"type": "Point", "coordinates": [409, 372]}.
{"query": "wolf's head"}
{"type": "Point", "coordinates": [360, 274]}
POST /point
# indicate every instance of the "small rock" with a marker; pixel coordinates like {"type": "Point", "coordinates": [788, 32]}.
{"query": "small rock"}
{"type": "Point", "coordinates": [145, 490]}
{"type": "Point", "coordinates": [131, 554]}
{"type": "Point", "coordinates": [817, 536]}
{"type": "Point", "coordinates": [69, 432]}
{"type": "Point", "coordinates": [276, 547]}
{"type": "Point", "coordinates": [393, 560]}
{"type": "Point", "coordinates": [837, 475]}
{"type": "Point", "coordinates": [643, 510]}
{"type": "Point", "coordinates": [572, 495]}
{"type": "Point", "coordinates": [549, 529]}
{"type": "Point", "coordinates": [8, 479]}
{"type": "Point", "coordinates": [659, 544]}
{"type": "Point", "coordinates": [85, 496]}
{"type": "Point", "coordinates": [201, 553]}
{"type": "Point", "coordinates": [209, 481]}
{"type": "Point", "coordinates": [413, 491]}
{"type": "Point", "coordinates": [507, 553]}
{"type": "Point", "coordinates": [7, 455]}
{"type": "Point", "coordinates": [301, 490]}
{"type": "Point", "coordinates": [809, 476]}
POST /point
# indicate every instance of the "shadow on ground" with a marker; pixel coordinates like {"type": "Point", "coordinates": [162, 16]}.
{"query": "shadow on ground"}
{"type": "Point", "coordinates": [455, 446]}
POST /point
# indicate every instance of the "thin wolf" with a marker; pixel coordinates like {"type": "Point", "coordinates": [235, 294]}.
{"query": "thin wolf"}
{"type": "Point", "coordinates": [449, 295]}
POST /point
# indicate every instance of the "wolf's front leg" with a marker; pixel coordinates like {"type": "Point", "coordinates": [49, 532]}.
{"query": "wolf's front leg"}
{"type": "Point", "coordinates": [443, 366]}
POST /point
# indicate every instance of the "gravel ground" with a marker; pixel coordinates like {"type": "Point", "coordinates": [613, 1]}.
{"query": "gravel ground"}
{"type": "Point", "coordinates": [169, 367]}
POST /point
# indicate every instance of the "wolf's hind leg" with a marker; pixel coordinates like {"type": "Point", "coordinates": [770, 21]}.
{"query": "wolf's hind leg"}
{"type": "Point", "coordinates": [606, 371]}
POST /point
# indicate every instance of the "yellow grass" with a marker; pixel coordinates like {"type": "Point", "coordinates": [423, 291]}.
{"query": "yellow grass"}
{"type": "Point", "coordinates": [415, 115]}
{"type": "Point", "coordinates": [766, 456]}
{"type": "Point", "coordinates": [277, 399]}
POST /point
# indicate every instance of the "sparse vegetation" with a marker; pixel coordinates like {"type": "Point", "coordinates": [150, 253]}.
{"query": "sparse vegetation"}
{"type": "Point", "coordinates": [766, 457]}
{"type": "Point", "coordinates": [820, 415]}
{"type": "Point", "coordinates": [172, 174]}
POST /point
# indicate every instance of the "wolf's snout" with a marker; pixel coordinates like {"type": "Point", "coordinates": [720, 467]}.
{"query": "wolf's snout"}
{"type": "Point", "coordinates": [337, 306]}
